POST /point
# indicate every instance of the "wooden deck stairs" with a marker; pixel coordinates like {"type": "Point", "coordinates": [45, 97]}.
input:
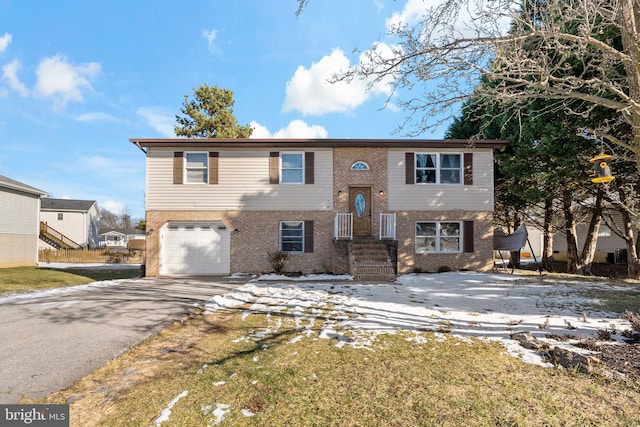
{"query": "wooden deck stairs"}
{"type": "Point", "coordinates": [370, 260]}
{"type": "Point", "coordinates": [55, 238]}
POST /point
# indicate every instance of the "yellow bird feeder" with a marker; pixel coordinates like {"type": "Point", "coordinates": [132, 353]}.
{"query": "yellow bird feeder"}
{"type": "Point", "coordinates": [602, 168]}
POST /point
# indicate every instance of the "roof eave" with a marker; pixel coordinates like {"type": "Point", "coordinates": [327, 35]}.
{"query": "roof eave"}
{"type": "Point", "coordinates": [332, 143]}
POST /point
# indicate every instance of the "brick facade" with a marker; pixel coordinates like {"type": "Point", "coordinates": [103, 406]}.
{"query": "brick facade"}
{"type": "Point", "coordinates": [375, 178]}
{"type": "Point", "coordinates": [253, 235]}
{"type": "Point", "coordinates": [480, 260]}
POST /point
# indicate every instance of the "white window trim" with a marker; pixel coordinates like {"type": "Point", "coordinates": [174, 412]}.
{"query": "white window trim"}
{"type": "Point", "coordinates": [359, 162]}
{"type": "Point", "coordinates": [205, 168]}
{"type": "Point", "coordinates": [438, 168]}
{"type": "Point", "coordinates": [438, 237]}
{"type": "Point", "coordinates": [280, 238]}
{"type": "Point", "coordinates": [301, 153]}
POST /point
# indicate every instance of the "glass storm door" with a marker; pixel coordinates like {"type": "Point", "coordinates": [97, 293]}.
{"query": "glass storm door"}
{"type": "Point", "coordinates": [360, 207]}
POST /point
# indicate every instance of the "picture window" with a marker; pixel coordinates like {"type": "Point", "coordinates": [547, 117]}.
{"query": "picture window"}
{"type": "Point", "coordinates": [438, 237]}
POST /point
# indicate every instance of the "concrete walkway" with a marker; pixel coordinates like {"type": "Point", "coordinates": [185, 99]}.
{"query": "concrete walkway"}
{"type": "Point", "coordinates": [50, 339]}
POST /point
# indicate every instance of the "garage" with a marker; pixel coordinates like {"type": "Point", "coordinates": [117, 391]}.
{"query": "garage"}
{"type": "Point", "coordinates": [196, 248]}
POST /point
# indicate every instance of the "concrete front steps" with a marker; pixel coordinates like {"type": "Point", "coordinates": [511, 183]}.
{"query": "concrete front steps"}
{"type": "Point", "coordinates": [369, 260]}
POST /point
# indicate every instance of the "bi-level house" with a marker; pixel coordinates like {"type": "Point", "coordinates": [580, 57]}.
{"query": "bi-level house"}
{"type": "Point", "coordinates": [372, 208]}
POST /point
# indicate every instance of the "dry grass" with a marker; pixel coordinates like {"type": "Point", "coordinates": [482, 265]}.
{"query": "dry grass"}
{"type": "Point", "coordinates": [27, 279]}
{"type": "Point", "coordinates": [431, 379]}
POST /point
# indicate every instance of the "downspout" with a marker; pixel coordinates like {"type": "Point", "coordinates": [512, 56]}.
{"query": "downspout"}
{"type": "Point", "coordinates": [84, 229]}
{"type": "Point", "coordinates": [38, 231]}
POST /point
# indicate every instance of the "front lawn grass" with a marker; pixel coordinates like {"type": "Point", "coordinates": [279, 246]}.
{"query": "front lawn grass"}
{"type": "Point", "coordinates": [27, 279]}
{"type": "Point", "coordinates": [238, 373]}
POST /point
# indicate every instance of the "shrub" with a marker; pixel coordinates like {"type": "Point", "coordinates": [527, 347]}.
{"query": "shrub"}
{"type": "Point", "coordinates": [634, 319]}
{"type": "Point", "coordinates": [278, 260]}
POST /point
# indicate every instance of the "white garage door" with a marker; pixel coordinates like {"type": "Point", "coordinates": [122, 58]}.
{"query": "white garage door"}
{"type": "Point", "coordinates": [195, 248]}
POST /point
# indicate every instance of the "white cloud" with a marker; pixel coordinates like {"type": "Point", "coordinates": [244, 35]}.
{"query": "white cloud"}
{"type": "Point", "coordinates": [5, 41]}
{"type": "Point", "coordinates": [95, 117]}
{"type": "Point", "coordinates": [159, 120]}
{"type": "Point", "coordinates": [63, 81]}
{"type": "Point", "coordinates": [113, 206]}
{"type": "Point", "coordinates": [10, 75]}
{"type": "Point", "coordinates": [259, 131]}
{"type": "Point", "coordinates": [311, 92]}
{"type": "Point", "coordinates": [211, 38]}
{"type": "Point", "coordinates": [411, 14]}
{"type": "Point", "coordinates": [295, 129]}
{"type": "Point", "coordinates": [468, 19]}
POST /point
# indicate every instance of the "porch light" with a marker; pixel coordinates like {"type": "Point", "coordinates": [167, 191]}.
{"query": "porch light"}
{"type": "Point", "coordinates": [382, 192]}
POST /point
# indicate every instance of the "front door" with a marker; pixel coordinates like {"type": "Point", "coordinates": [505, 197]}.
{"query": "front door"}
{"type": "Point", "coordinates": [360, 208]}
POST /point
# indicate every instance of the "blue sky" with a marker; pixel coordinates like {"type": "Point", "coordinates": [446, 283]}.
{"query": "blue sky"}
{"type": "Point", "coordinates": [79, 78]}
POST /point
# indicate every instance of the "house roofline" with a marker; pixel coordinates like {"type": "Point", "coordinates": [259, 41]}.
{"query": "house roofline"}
{"type": "Point", "coordinates": [50, 204]}
{"type": "Point", "coordinates": [12, 184]}
{"type": "Point", "coordinates": [330, 143]}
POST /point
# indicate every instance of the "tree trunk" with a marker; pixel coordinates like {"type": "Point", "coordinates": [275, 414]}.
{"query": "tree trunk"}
{"type": "Point", "coordinates": [630, 26]}
{"type": "Point", "coordinates": [547, 243]}
{"type": "Point", "coordinates": [589, 249]}
{"type": "Point", "coordinates": [633, 262]}
{"type": "Point", "coordinates": [570, 230]}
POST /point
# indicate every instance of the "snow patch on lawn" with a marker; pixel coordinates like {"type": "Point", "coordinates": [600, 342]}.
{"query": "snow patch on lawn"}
{"type": "Point", "coordinates": [463, 304]}
{"type": "Point", "coordinates": [166, 412]}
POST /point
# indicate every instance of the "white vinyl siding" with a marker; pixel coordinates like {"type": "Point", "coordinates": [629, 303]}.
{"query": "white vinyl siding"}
{"type": "Point", "coordinates": [19, 213]}
{"type": "Point", "coordinates": [243, 183]}
{"type": "Point", "coordinates": [605, 243]}
{"type": "Point", "coordinates": [439, 197]}
{"type": "Point", "coordinates": [19, 228]}
{"type": "Point", "coordinates": [83, 227]}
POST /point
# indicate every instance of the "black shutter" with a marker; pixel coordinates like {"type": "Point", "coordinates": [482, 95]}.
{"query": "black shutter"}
{"type": "Point", "coordinates": [178, 167]}
{"type": "Point", "coordinates": [468, 168]}
{"type": "Point", "coordinates": [409, 163]}
{"type": "Point", "coordinates": [308, 236]}
{"type": "Point", "coordinates": [274, 167]}
{"type": "Point", "coordinates": [309, 173]}
{"type": "Point", "coordinates": [467, 235]}
{"type": "Point", "coordinates": [213, 167]}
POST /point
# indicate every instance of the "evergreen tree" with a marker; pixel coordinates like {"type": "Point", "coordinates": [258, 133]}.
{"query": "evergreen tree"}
{"type": "Point", "coordinates": [210, 115]}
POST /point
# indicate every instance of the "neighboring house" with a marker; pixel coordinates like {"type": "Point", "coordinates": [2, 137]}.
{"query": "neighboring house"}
{"type": "Point", "coordinates": [119, 237]}
{"type": "Point", "coordinates": [371, 208]}
{"type": "Point", "coordinates": [69, 223]}
{"type": "Point", "coordinates": [610, 248]}
{"type": "Point", "coordinates": [19, 223]}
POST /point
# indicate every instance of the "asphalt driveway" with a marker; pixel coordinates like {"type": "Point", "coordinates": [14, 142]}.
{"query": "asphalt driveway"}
{"type": "Point", "coordinates": [50, 339]}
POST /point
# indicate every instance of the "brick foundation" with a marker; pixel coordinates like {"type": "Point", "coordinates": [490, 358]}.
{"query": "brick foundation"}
{"type": "Point", "coordinates": [253, 235]}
